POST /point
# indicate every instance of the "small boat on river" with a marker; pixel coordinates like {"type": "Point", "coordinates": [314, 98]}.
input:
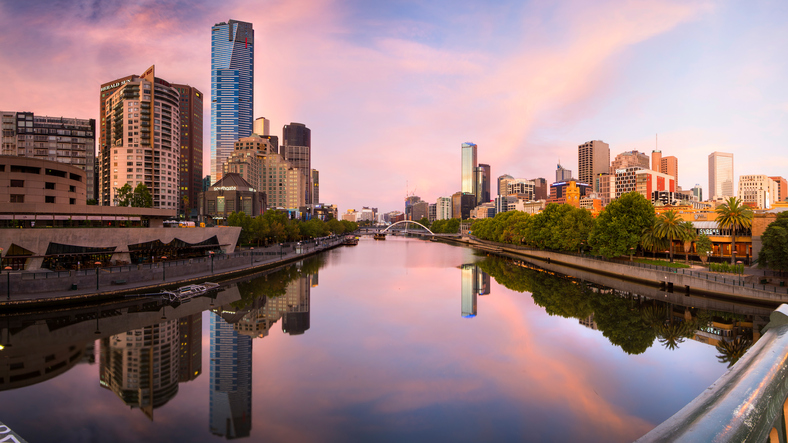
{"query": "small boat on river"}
{"type": "Point", "coordinates": [350, 240]}
{"type": "Point", "coordinates": [188, 292]}
{"type": "Point", "coordinates": [380, 236]}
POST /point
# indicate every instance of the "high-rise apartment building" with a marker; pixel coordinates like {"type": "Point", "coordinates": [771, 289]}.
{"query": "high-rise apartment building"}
{"type": "Point", "coordinates": [190, 185]}
{"type": "Point", "coordinates": [297, 149]}
{"type": "Point", "coordinates": [670, 165]}
{"type": "Point", "coordinates": [482, 178]}
{"type": "Point", "coordinates": [443, 209]}
{"type": "Point", "coordinates": [315, 187]}
{"type": "Point", "coordinates": [782, 188]}
{"type": "Point", "coordinates": [629, 158]}
{"type": "Point", "coordinates": [521, 188]}
{"type": "Point", "coordinates": [502, 184]}
{"type": "Point", "coordinates": [255, 161]}
{"type": "Point", "coordinates": [232, 89]}
{"type": "Point", "coordinates": [720, 175]}
{"type": "Point", "coordinates": [759, 190]}
{"type": "Point", "coordinates": [697, 191]}
{"type": "Point", "coordinates": [625, 180]}
{"type": "Point", "coordinates": [592, 158]}
{"type": "Point", "coordinates": [261, 126]}
{"type": "Point", "coordinates": [562, 174]}
{"type": "Point", "coordinates": [468, 165]}
{"type": "Point", "coordinates": [65, 140]}
{"type": "Point", "coordinates": [140, 134]}
{"type": "Point", "coordinates": [541, 190]}
{"type": "Point", "coordinates": [190, 347]}
{"type": "Point", "coordinates": [656, 160]}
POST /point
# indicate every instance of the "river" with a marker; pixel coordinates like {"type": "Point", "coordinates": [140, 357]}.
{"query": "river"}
{"type": "Point", "coordinates": [396, 340]}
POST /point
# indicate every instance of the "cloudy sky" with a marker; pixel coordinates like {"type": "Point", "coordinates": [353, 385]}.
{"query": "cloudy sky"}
{"type": "Point", "coordinates": [391, 89]}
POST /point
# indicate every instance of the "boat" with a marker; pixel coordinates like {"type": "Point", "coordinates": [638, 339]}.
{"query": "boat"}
{"type": "Point", "coordinates": [188, 292]}
{"type": "Point", "coordinates": [380, 236]}
{"type": "Point", "coordinates": [350, 240]}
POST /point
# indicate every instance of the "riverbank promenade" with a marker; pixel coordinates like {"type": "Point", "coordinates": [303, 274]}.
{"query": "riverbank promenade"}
{"type": "Point", "coordinates": [19, 290]}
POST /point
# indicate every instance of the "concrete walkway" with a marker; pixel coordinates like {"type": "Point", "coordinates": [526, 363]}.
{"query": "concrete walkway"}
{"type": "Point", "coordinates": [238, 263]}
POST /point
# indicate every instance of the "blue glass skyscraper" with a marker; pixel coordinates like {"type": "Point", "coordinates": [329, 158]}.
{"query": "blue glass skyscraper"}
{"type": "Point", "coordinates": [232, 89]}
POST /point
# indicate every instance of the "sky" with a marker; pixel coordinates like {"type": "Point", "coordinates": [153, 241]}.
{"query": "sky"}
{"type": "Point", "coordinates": [392, 89]}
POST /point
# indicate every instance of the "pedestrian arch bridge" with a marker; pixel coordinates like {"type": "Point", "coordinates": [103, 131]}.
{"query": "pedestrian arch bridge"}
{"type": "Point", "coordinates": [407, 222]}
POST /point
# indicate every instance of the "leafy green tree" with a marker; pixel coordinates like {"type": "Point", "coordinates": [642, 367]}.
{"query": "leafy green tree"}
{"type": "Point", "coordinates": [734, 215]}
{"type": "Point", "coordinates": [92, 202]}
{"type": "Point", "coordinates": [619, 226]}
{"type": "Point", "coordinates": [514, 229]}
{"type": "Point", "coordinates": [669, 226]}
{"type": "Point", "coordinates": [349, 225]}
{"type": "Point", "coordinates": [141, 198]}
{"type": "Point", "coordinates": [702, 246]}
{"type": "Point", "coordinates": [335, 226]}
{"type": "Point", "coordinates": [650, 240]}
{"type": "Point", "coordinates": [575, 228]}
{"type": "Point", "coordinates": [774, 252]}
{"type": "Point", "coordinates": [123, 196]}
{"type": "Point", "coordinates": [446, 226]}
{"type": "Point", "coordinates": [244, 222]}
{"type": "Point", "coordinates": [619, 319]}
{"type": "Point", "coordinates": [425, 221]}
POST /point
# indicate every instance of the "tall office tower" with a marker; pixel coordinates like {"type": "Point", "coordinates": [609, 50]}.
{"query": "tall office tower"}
{"type": "Point", "coordinates": [232, 89]}
{"type": "Point", "coordinates": [62, 139]}
{"type": "Point", "coordinates": [262, 126]}
{"type": "Point", "coordinates": [468, 184]}
{"type": "Point", "coordinates": [482, 178]}
{"type": "Point", "coordinates": [697, 191]}
{"type": "Point", "coordinates": [521, 188]}
{"type": "Point", "coordinates": [433, 212]}
{"type": "Point", "coordinates": [541, 190]}
{"type": "Point", "coordinates": [297, 149]}
{"type": "Point", "coordinates": [502, 182]}
{"type": "Point", "coordinates": [255, 161]}
{"type": "Point", "coordinates": [656, 160]}
{"type": "Point", "coordinates": [443, 208]}
{"type": "Point", "coordinates": [141, 366]}
{"type": "Point", "coordinates": [469, 290]}
{"type": "Point", "coordinates": [629, 158]}
{"type": "Point", "coordinates": [191, 148]}
{"type": "Point", "coordinates": [782, 188]}
{"type": "Point", "coordinates": [720, 175]}
{"type": "Point", "coordinates": [592, 158]}
{"type": "Point", "coordinates": [670, 165]}
{"type": "Point", "coordinates": [757, 189]}
{"type": "Point", "coordinates": [562, 174]}
{"type": "Point", "coordinates": [140, 135]}
{"type": "Point", "coordinates": [190, 351]}
{"type": "Point", "coordinates": [409, 202]}
{"type": "Point", "coordinates": [230, 380]}
{"type": "Point", "coordinates": [315, 187]}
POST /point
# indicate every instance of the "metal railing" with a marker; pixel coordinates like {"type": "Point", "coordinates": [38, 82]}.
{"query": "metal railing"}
{"type": "Point", "coordinates": [746, 404]}
{"type": "Point", "coordinates": [732, 280]}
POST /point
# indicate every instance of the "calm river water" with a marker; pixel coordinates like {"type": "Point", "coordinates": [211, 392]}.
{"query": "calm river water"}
{"type": "Point", "coordinates": [396, 340]}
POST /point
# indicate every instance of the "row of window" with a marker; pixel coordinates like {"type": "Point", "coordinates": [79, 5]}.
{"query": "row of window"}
{"type": "Point", "coordinates": [20, 198]}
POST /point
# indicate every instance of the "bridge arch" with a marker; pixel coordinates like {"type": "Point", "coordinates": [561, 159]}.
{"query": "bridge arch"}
{"type": "Point", "coordinates": [406, 222]}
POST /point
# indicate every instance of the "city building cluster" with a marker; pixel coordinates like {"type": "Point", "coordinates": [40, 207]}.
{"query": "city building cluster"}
{"type": "Point", "coordinates": [149, 136]}
{"type": "Point", "coordinates": [598, 182]}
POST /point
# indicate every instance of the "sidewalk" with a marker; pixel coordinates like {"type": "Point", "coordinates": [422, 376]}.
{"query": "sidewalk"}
{"type": "Point", "coordinates": [118, 291]}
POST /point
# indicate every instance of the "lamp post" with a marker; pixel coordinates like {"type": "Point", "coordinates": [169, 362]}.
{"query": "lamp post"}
{"type": "Point", "coordinates": [281, 246]}
{"type": "Point", "coordinates": [163, 268]}
{"type": "Point", "coordinates": [251, 256]}
{"type": "Point", "coordinates": [708, 256]}
{"type": "Point", "coordinates": [98, 263]}
{"type": "Point", "coordinates": [211, 253]}
{"type": "Point", "coordinates": [8, 281]}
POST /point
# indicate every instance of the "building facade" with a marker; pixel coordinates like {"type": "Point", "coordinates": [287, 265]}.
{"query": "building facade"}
{"type": "Point", "coordinates": [629, 158]}
{"type": "Point", "coordinates": [592, 158]}
{"type": "Point", "coordinates": [782, 188]}
{"type": "Point", "coordinates": [482, 178]}
{"type": "Point", "coordinates": [670, 165]}
{"type": "Point", "coordinates": [231, 194]}
{"type": "Point", "coordinates": [65, 140]}
{"type": "Point", "coordinates": [562, 174]}
{"type": "Point", "coordinates": [759, 190]}
{"type": "Point", "coordinates": [191, 170]}
{"type": "Point", "coordinates": [467, 167]}
{"type": "Point", "coordinates": [720, 175]}
{"type": "Point", "coordinates": [625, 180]}
{"type": "Point", "coordinates": [297, 149]}
{"type": "Point", "coordinates": [443, 210]}
{"type": "Point", "coordinates": [541, 190]}
{"type": "Point", "coordinates": [141, 132]}
{"type": "Point", "coordinates": [232, 89]}
{"type": "Point", "coordinates": [648, 182]}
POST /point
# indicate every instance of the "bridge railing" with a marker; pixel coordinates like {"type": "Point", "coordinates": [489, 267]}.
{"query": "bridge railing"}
{"type": "Point", "coordinates": [746, 404]}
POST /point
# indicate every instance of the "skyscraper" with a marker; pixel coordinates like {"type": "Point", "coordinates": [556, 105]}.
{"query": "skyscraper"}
{"type": "Point", "coordinates": [593, 158]}
{"type": "Point", "coordinates": [468, 184]}
{"type": "Point", "coordinates": [562, 174]}
{"type": "Point", "coordinates": [297, 149]}
{"type": "Point", "coordinates": [630, 158]}
{"type": "Point", "coordinates": [720, 175]}
{"type": "Point", "coordinates": [670, 165]}
{"type": "Point", "coordinates": [140, 136]}
{"type": "Point", "coordinates": [191, 148]}
{"type": "Point", "coordinates": [232, 89]}
{"type": "Point", "coordinates": [502, 183]}
{"type": "Point", "coordinates": [482, 178]}
{"type": "Point", "coordinates": [230, 380]}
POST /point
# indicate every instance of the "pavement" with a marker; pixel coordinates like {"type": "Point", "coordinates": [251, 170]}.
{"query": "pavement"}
{"type": "Point", "coordinates": [261, 261]}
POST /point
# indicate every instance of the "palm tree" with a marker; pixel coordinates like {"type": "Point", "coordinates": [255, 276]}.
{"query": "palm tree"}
{"type": "Point", "coordinates": [669, 225]}
{"type": "Point", "coordinates": [650, 240]}
{"type": "Point", "coordinates": [688, 236]}
{"type": "Point", "coordinates": [733, 215]}
{"type": "Point", "coordinates": [732, 351]}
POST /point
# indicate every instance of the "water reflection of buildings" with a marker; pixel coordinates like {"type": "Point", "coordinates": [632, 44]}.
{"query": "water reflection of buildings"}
{"type": "Point", "coordinates": [231, 380]}
{"type": "Point", "coordinates": [190, 350]}
{"type": "Point", "coordinates": [474, 282]}
{"type": "Point", "coordinates": [292, 308]}
{"type": "Point", "coordinates": [141, 366]}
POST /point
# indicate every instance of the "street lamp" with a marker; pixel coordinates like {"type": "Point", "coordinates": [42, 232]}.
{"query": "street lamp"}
{"type": "Point", "coordinates": [251, 256]}
{"type": "Point", "coordinates": [163, 268]}
{"type": "Point", "coordinates": [8, 281]}
{"type": "Point", "coordinates": [98, 263]}
{"type": "Point", "coordinates": [281, 246]}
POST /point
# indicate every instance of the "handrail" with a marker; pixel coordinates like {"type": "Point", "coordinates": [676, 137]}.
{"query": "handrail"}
{"type": "Point", "coordinates": [746, 403]}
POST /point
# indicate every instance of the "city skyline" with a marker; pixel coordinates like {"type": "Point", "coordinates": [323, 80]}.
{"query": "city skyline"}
{"type": "Point", "coordinates": [362, 76]}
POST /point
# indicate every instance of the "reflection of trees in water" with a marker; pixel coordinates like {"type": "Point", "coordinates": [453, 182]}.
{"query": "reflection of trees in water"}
{"type": "Point", "coordinates": [275, 284]}
{"type": "Point", "coordinates": [732, 350]}
{"type": "Point", "coordinates": [629, 321]}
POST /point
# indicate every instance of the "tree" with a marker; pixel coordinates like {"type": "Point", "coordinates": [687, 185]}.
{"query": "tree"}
{"type": "Point", "coordinates": [732, 351]}
{"type": "Point", "coordinates": [650, 240]}
{"type": "Point", "coordinates": [123, 196]}
{"type": "Point", "coordinates": [774, 252]}
{"type": "Point", "coordinates": [141, 198]}
{"type": "Point", "coordinates": [619, 226]}
{"type": "Point", "coordinates": [734, 215]}
{"type": "Point", "coordinates": [91, 202]}
{"type": "Point", "coordinates": [669, 225]}
{"type": "Point", "coordinates": [688, 235]}
{"type": "Point", "coordinates": [425, 221]}
{"type": "Point", "coordinates": [702, 246]}
{"type": "Point", "coordinates": [244, 222]}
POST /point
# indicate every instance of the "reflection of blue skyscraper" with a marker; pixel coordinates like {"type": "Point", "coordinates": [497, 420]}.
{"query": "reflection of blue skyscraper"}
{"type": "Point", "coordinates": [468, 290]}
{"type": "Point", "coordinates": [232, 89]}
{"type": "Point", "coordinates": [231, 380]}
